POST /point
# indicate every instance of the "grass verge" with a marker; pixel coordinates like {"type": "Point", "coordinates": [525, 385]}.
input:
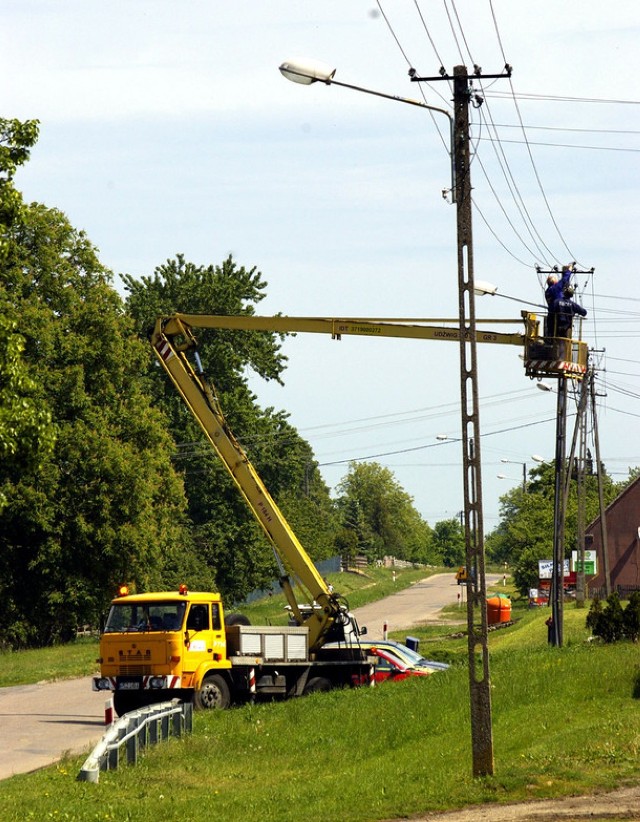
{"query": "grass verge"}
{"type": "Point", "coordinates": [58, 662]}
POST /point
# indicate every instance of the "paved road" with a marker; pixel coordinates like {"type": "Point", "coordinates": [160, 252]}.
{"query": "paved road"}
{"type": "Point", "coordinates": [38, 723]}
{"type": "Point", "coordinates": [416, 605]}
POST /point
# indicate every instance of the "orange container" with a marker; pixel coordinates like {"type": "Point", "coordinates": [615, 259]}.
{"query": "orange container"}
{"type": "Point", "coordinates": [498, 609]}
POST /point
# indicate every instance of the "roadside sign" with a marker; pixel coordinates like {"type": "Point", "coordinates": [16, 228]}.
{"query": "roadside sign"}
{"type": "Point", "coordinates": [545, 568]}
{"type": "Point", "coordinates": [590, 563]}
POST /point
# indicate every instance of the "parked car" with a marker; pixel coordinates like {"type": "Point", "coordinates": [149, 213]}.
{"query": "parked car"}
{"type": "Point", "coordinates": [388, 667]}
{"type": "Point", "coordinates": [404, 656]}
{"type": "Point", "coordinates": [407, 656]}
{"type": "Point", "coordinates": [412, 657]}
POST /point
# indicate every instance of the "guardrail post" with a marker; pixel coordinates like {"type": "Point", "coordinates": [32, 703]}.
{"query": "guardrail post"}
{"type": "Point", "coordinates": [164, 726]}
{"type": "Point", "coordinates": [178, 721]}
{"type": "Point", "coordinates": [187, 712]}
{"type": "Point", "coordinates": [132, 741]}
{"type": "Point", "coordinates": [143, 731]}
{"type": "Point", "coordinates": [113, 754]}
{"type": "Point", "coordinates": [153, 731]}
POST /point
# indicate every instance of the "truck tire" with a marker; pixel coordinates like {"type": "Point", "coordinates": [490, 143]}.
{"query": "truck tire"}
{"type": "Point", "coordinates": [317, 683]}
{"type": "Point", "coordinates": [236, 619]}
{"type": "Point", "coordinates": [212, 693]}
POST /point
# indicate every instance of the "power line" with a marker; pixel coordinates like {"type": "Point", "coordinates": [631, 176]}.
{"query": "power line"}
{"type": "Point", "coordinates": [431, 444]}
{"type": "Point", "coordinates": [560, 99]}
{"type": "Point", "coordinates": [498, 240]}
{"type": "Point", "coordinates": [521, 122]}
{"type": "Point", "coordinates": [453, 31]}
{"type": "Point", "coordinates": [571, 129]}
{"type": "Point", "coordinates": [408, 62]}
{"type": "Point", "coordinates": [561, 145]}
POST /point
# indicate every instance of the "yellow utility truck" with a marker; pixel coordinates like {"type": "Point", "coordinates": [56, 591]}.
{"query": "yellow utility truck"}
{"type": "Point", "coordinates": [159, 646]}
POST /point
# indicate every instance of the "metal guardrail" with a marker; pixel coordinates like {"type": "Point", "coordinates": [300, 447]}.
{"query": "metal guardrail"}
{"type": "Point", "coordinates": [135, 731]}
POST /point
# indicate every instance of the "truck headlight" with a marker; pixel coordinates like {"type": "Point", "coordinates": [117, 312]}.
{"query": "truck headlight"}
{"type": "Point", "coordinates": [101, 683]}
{"type": "Point", "coordinates": [157, 682]}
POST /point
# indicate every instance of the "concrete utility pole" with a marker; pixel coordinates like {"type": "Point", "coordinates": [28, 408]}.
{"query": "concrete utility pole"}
{"type": "Point", "coordinates": [562, 481]}
{"type": "Point", "coordinates": [581, 429]}
{"type": "Point", "coordinates": [603, 514]}
{"type": "Point", "coordinates": [477, 626]}
{"type": "Point", "coordinates": [557, 576]}
{"type": "Point", "coordinates": [477, 633]}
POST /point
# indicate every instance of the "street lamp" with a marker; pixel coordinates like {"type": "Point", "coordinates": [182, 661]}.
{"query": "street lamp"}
{"type": "Point", "coordinates": [524, 472]}
{"type": "Point", "coordinates": [534, 457]}
{"type": "Point", "coordinates": [308, 72]}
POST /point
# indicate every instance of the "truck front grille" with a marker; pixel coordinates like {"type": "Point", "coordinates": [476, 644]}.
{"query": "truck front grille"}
{"type": "Point", "coordinates": [134, 670]}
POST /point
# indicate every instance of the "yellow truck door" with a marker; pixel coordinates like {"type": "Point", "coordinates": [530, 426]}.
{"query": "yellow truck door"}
{"type": "Point", "coordinates": [204, 639]}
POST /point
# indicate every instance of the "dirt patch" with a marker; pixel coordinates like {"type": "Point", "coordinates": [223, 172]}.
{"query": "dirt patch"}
{"type": "Point", "coordinates": [623, 803]}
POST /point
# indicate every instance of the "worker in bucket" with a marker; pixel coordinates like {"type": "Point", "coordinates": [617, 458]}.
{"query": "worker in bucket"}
{"type": "Point", "coordinates": [561, 316]}
{"type": "Point", "coordinates": [554, 291]}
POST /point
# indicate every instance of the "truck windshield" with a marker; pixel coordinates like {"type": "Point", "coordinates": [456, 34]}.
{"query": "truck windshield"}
{"type": "Point", "coordinates": [145, 616]}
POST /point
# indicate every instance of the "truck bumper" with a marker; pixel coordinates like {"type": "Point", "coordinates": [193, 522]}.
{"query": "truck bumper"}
{"type": "Point", "coordinates": [135, 683]}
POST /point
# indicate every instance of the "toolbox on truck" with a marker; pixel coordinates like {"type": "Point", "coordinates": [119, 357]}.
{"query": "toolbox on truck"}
{"type": "Point", "coordinates": [269, 642]}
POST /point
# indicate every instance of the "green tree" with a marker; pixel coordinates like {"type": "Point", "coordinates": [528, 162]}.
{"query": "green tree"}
{"type": "Point", "coordinates": [631, 617]}
{"type": "Point", "coordinates": [105, 505]}
{"type": "Point", "coordinates": [608, 622]}
{"type": "Point", "coordinates": [27, 435]}
{"type": "Point", "coordinates": [16, 141]}
{"type": "Point", "coordinates": [448, 543]}
{"type": "Point", "coordinates": [525, 532]}
{"type": "Point", "coordinates": [225, 532]}
{"type": "Point", "coordinates": [381, 513]}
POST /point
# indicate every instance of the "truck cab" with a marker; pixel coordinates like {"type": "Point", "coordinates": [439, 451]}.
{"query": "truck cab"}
{"type": "Point", "coordinates": [156, 646]}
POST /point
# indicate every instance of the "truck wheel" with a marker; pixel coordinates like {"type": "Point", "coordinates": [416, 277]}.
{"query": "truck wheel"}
{"type": "Point", "coordinates": [236, 619]}
{"type": "Point", "coordinates": [213, 693]}
{"type": "Point", "coordinates": [317, 683]}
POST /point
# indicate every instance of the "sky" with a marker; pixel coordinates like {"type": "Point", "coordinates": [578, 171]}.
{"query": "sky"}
{"type": "Point", "coordinates": [167, 128]}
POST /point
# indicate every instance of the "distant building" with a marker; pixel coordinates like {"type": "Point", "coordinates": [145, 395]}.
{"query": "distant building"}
{"type": "Point", "coordinates": [622, 518]}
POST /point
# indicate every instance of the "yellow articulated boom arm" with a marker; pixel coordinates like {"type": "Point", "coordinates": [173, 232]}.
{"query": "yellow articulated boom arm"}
{"type": "Point", "coordinates": [172, 338]}
{"type": "Point", "coordinates": [419, 329]}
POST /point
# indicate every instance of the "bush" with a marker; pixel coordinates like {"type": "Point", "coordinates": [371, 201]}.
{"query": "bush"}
{"type": "Point", "coordinates": [632, 617]}
{"type": "Point", "coordinates": [612, 622]}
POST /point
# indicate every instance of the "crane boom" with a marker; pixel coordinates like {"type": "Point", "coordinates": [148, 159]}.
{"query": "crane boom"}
{"type": "Point", "coordinates": [422, 329]}
{"type": "Point", "coordinates": [173, 339]}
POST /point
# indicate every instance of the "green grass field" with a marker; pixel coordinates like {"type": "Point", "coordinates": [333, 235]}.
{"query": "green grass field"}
{"type": "Point", "coordinates": [565, 721]}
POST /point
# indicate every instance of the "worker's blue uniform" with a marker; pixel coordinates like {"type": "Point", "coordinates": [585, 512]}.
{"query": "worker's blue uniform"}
{"type": "Point", "coordinates": [554, 292]}
{"type": "Point", "coordinates": [561, 316]}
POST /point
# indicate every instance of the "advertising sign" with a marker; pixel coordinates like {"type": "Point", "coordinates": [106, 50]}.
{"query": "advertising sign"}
{"type": "Point", "coordinates": [545, 568]}
{"type": "Point", "coordinates": [590, 562]}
